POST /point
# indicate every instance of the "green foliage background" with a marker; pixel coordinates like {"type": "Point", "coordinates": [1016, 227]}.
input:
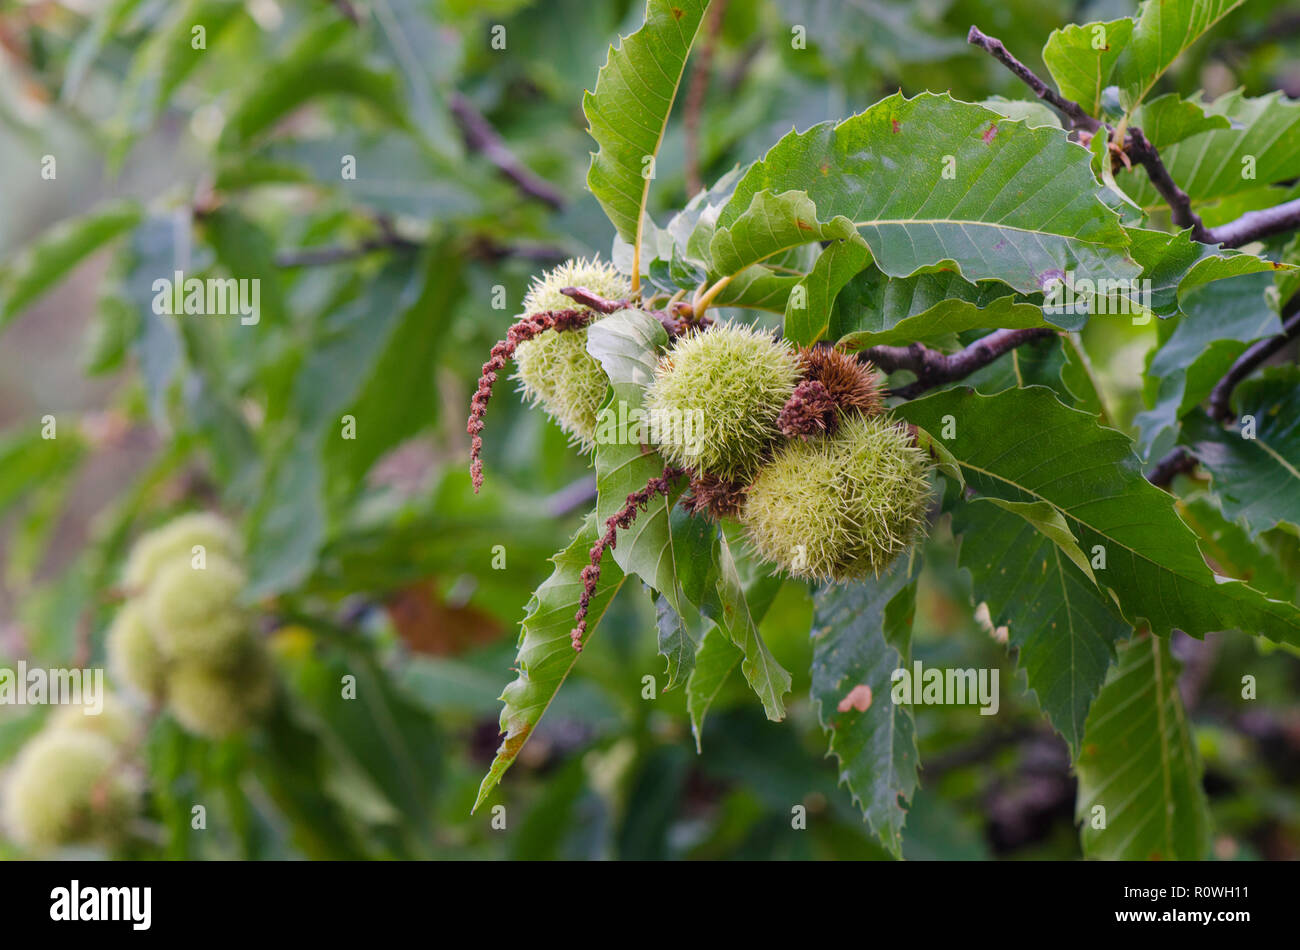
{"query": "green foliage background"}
{"type": "Point", "coordinates": [381, 298]}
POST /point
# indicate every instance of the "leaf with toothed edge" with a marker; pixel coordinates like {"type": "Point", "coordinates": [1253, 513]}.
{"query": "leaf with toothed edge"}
{"type": "Point", "coordinates": [1024, 445]}
{"type": "Point", "coordinates": [1048, 521]}
{"type": "Point", "coordinates": [1140, 763]}
{"type": "Point", "coordinates": [808, 313]}
{"type": "Point", "coordinates": [1022, 207]}
{"type": "Point", "coordinates": [874, 309]}
{"type": "Point", "coordinates": [1062, 626]}
{"type": "Point", "coordinates": [861, 635]}
{"type": "Point", "coordinates": [718, 654]}
{"type": "Point", "coordinates": [1162, 31]}
{"type": "Point", "coordinates": [1081, 56]}
{"type": "Point", "coordinates": [546, 655]}
{"type": "Point", "coordinates": [627, 344]}
{"type": "Point", "coordinates": [726, 606]}
{"type": "Point", "coordinates": [628, 111]}
{"type": "Point", "coordinates": [714, 582]}
{"type": "Point", "coordinates": [1255, 472]}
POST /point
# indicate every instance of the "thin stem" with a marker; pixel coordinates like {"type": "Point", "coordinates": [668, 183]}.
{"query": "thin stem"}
{"type": "Point", "coordinates": [481, 137]}
{"type": "Point", "coordinates": [1067, 107]}
{"type": "Point", "coordinates": [1249, 361]}
{"type": "Point", "coordinates": [1180, 205]}
{"type": "Point", "coordinates": [594, 301]}
{"type": "Point", "coordinates": [703, 301]}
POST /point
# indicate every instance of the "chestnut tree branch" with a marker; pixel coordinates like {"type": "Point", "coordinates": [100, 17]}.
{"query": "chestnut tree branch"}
{"type": "Point", "coordinates": [933, 368]}
{"type": "Point", "coordinates": [1067, 107]}
{"type": "Point", "coordinates": [1249, 361]}
{"type": "Point", "coordinates": [592, 300]}
{"type": "Point", "coordinates": [482, 138]}
{"type": "Point", "coordinates": [1249, 227]}
{"type": "Point", "coordinates": [1178, 460]}
{"type": "Point", "coordinates": [1254, 225]}
{"type": "Point", "coordinates": [1180, 204]}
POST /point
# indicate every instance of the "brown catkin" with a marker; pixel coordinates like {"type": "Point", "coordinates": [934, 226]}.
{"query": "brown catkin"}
{"type": "Point", "coordinates": [623, 518]}
{"type": "Point", "coordinates": [525, 329]}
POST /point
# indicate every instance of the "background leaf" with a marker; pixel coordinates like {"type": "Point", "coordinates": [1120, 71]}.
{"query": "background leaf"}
{"type": "Point", "coordinates": [861, 635]}
{"type": "Point", "coordinates": [1257, 479]}
{"type": "Point", "coordinates": [51, 258]}
{"type": "Point", "coordinates": [1140, 764]}
{"type": "Point", "coordinates": [546, 655]}
{"type": "Point", "coordinates": [628, 111]}
{"type": "Point", "coordinates": [1021, 206]}
{"type": "Point", "coordinates": [1091, 474]}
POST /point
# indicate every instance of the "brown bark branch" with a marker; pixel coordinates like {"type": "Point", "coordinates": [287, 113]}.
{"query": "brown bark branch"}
{"type": "Point", "coordinates": [1179, 460]}
{"type": "Point", "coordinates": [933, 368]}
{"type": "Point", "coordinates": [1249, 227]}
{"type": "Point", "coordinates": [481, 137]}
{"type": "Point", "coordinates": [1254, 225]}
{"type": "Point", "coordinates": [1249, 361]}
{"type": "Point", "coordinates": [1067, 107]}
{"type": "Point", "coordinates": [1180, 205]}
{"type": "Point", "coordinates": [596, 302]}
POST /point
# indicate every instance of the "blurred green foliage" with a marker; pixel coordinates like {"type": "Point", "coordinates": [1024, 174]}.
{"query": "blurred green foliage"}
{"type": "Point", "coordinates": [381, 296]}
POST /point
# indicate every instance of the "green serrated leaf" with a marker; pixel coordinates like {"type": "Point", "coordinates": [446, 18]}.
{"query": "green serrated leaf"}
{"type": "Point", "coordinates": [1063, 627]}
{"type": "Point", "coordinates": [546, 656]}
{"type": "Point", "coordinates": [727, 607]}
{"type": "Point", "coordinates": [861, 634]}
{"type": "Point", "coordinates": [1024, 445]}
{"type": "Point", "coordinates": [873, 309]}
{"type": "Point", "coordinates": [1176, 266]}
{"type": "Point", "coordinates": [1255, 463]}
{"type": "Point", "coordinates": [931, 181]}
{"type": "Point", "coordinates": [1139, 764]}
{"type": "Point", "coordinates": [808, 310]}
{"type": "Point", "coordinates": [1078, 378]}
{"type": "Point", "coordinates": [945, 461]}
{"type": "Point", "coordinates": [715, 660]}
{"type": "Point", "coordinates": [771, 225]}
{"type": "Point", "coordinates": [1033, 114]}
{"type": "Point", "coordinates": [718, 655]}
{"type": "Point", "coordinates": [1081, 58]}
{"type": "Point", "coordinates": [1232, 550]}
{"type": "Point", "coordinates": [1051, 524]}
{"type": "Point", "coordinates": [55, 253]}
{"type": "Point", "coordinates": [628, 111]}
{"type": "Point", "coordinates": [1171, 118]}
{"type": "Point", "coordinates": [1162, 31]}
{"type": "Point", "coordinates": [654, 548]}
